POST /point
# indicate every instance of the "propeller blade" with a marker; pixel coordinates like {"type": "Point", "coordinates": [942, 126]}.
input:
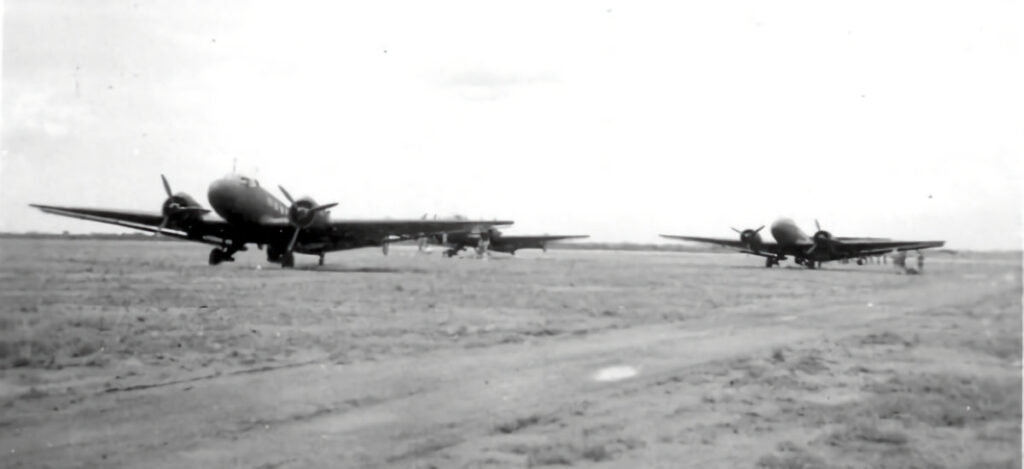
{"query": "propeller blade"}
{"type": "Point", "coordinates": [160, 229]}
{"type": "Point", "coordinates": [759, 229]}
{"type": "Point", "coordinates": [811, 250]}
{"type": "Point", "coordinates": [816, 225]}
{"type": "Point", "coordinates": [200, 210]}
{"type": "Point", "coordinates": [286, 195]}
{"type": "Point", "coordinates": [444, 237]}
{"type": "Point", "coordinates": [423, 243]}
{"type": "Point", "coordinates": [167, 186]}
{"type": "Point", "coordinates": [734, 229]}
{"type": "Point", "coordinates": [323, 207]}
{"type": "Point", "coordinates": [295, 237]}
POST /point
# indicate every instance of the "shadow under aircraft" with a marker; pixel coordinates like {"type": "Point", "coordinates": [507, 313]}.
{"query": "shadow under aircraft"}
{"type": "Point", "coordinates": [248, 214]}
{"type": "Point", "coordinates": [809, 251]}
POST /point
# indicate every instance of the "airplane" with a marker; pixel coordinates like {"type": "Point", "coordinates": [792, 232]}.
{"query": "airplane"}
{"type": "Point", "coordinates": [491, 239]}
{"type": "Point", "coordinates": [809, 251]}
{"type": "Point", "coordinates": [248, 214]}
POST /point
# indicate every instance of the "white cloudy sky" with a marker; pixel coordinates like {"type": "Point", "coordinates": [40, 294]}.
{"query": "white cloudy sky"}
{"type": "Point", "coordinates": [618, 119]}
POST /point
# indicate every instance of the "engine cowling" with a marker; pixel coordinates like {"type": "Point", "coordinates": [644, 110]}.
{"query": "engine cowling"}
{"type": "Point", "coordinates": [182, 211]}
{"type": "Point", "coordinates": [179, 210]}
{"type": "Point", "coordinates": [301, 213]}
{"type": "Point", "coordinates": [751, 238]}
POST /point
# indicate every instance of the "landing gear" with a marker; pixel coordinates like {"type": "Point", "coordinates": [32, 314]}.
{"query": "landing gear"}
{"type": "Point", "coordinates": [321, 261]}
{"type": "Point", "coordinates": [215, 256]}
{"type": "Point", "coordinates": [288, 260]}
{"type": "Point", "coordinates": [809, 263]}
{"type": "Point", "coordinates": [770, 262]}
{"type": "Point", "coordinates": [450, 253]}
{"type": "Point", "coordinates": [218, 255]}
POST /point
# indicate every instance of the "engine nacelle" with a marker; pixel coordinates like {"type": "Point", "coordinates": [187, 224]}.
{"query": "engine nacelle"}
{"type": "Point", "coordinates": [751, 239]}
{"type": "Point", "coordinates": [181, 211]}
{"type": "Point", "coordinates": [301, 213]}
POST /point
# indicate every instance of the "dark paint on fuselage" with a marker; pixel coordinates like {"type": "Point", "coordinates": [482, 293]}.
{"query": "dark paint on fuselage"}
{"type": "Point", "coordinates": [240, 200]}
{"type": "Point", "coordinates": [786, 233]}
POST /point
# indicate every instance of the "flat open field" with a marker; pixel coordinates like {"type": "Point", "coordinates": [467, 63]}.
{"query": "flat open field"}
{"type": "Point", "coordinates": [139, 354]}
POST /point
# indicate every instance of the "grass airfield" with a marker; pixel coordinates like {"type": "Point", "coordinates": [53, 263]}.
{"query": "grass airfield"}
{"type": "Point", "coordinates": [138, 354]}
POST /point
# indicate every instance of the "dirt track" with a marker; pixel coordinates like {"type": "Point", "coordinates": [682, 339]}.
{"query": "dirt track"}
{"type": "Point", "coordinates": [137, 354]}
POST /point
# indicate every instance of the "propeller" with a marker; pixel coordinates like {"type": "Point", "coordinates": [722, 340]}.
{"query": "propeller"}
{"type": "Point", "coordinates": [174, 205]}
{"type": "Point", "coordinates": [167, 186]}
{"type": "Point", "coordinates": [750, 237]}
{"type": "Point", "coordinates": [286, 194]}
{"type": "Point", "coordinates": [820, 237]}
{"type": "Point", "coordinates": [301, 214]}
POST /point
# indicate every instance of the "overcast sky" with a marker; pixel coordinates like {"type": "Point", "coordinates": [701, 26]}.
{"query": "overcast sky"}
{"type": "Point", "coordinates": [617, 119]}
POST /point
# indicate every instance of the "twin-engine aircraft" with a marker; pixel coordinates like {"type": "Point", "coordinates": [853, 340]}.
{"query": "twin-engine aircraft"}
{"type": "Point", "coordinates": [248, 214]}
{"type": "Point", "coordinates": [491, 239]}
{"type": "Point", "coordinates": [809, 251]}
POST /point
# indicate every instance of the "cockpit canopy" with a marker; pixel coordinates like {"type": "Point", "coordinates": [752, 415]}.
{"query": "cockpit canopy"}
{"type": "Point", "coordinates": [243, 180]}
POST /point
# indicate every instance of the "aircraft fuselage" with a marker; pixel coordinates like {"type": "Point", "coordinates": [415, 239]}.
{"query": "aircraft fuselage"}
{"type": "Point", "coordinates": [240, 200]}
{"type": "Point", "coordinates": [786, 233]}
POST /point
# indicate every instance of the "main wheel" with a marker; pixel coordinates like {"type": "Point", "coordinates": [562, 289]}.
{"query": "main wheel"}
{"type": "Point", "coordinates": [769, 262]}
{"type": "Point", "coordinates": [216, 256]}
{"type": "Point", "coordinates": [288, 260]}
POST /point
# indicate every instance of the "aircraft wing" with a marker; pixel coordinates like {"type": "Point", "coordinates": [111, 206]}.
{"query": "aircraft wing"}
{"type": "Point", "coordinates": [535, 239]}
{"type": "Point", "coordinates": [209, 229]}
{"type": "Point", "coordinates": [400, 230]}
{"type": "Point", "coordinates": [765, 247]}
{"type": "Point", "coordinates": [526, 241]}
{"type": "Point", "coordinates": [870, 247]}
{"type": "Point", "coordinates": [351, 234]}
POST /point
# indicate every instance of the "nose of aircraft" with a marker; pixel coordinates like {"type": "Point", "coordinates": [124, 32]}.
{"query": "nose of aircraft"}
{"type": "Point", "coordinates": [221, 194]}
{"type": "Point", "coordinates": [781, 223]}
{"type": "Point", "coordinates": [782, 229]}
